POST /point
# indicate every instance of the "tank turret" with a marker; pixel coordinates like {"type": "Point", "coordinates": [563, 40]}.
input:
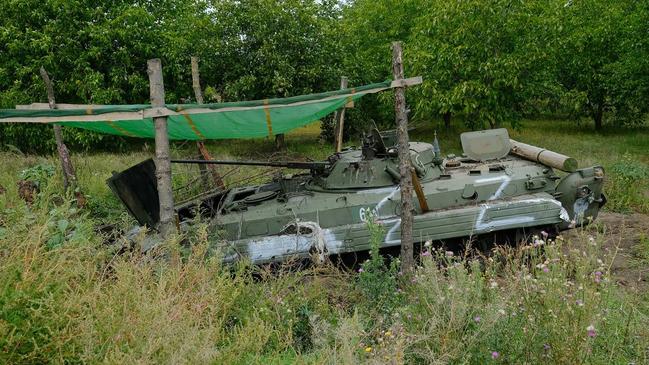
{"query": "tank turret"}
{"type": "Point", "coordinates": [375, 165]}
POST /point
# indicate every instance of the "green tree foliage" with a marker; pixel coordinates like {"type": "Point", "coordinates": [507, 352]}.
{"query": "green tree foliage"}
{"type": "Point", "coordinates": [602, 53]}
{"type": "Point", "coordinates": [479, 59]}
{"type": "Point", "coordinates": [369, 28]}
{"type": "Point", "coordinates": [490, 62]}
{"type": "Point", "coordinates": [96, 52]}
{"type": "Point", "coordinates": [486, 62]}
{"type": "Point", "coordinates": [275, 48]}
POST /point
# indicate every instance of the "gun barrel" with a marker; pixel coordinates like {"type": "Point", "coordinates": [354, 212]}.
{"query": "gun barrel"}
{"type": "Point", "coordinates": [289, 164]}
{"type": "Point", "coordinates": [552, 159]}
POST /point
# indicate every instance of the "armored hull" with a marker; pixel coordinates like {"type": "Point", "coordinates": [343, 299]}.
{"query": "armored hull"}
{"type": "Point", "coordinates": [325, 212]}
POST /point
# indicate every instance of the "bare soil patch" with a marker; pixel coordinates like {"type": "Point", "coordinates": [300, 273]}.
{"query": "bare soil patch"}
{"type": "Point", "coordinates": [628, 234]}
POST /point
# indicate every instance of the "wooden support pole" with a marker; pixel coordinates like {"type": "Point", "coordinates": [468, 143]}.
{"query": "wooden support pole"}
{"type": "Point", "coordinates": [196, 85]}
{"type": "Point", "coordinates": [162, 159]}
{"type": "Point", "coordinates": [198, 93]}
{"type": "Point", "coordinates": [401, 116]}
{"type": "Point", "coordinates": [339, 119]}
{"type": "Point", "coordinates": [419, 191]}
{"type": "Point", "coordinates": [69, 175]}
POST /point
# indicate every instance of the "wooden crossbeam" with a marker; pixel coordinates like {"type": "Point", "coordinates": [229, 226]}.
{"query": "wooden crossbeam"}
{"type": "Point", "coordinates": [160, 111]}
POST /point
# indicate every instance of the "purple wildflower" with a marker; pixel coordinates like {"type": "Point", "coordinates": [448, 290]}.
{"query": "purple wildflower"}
{"type": "Point", "coordinates": [591, 331]}
{"type": "Point", "coordinates": [360, 269]}
{"type": "Point", "coordinates": [546, 347]}
{"type": "Point", "coordinates": [495, 355]}
{"type": "Point", "coordinates": [425, 253]}
{"type": "Point", "coordinates": [477, 319]}
{"type": "Point", "coordinates": [544, 234]}
{"type": "Point", "coordinates": [546, 269]}
{"type": "Point", "coordinates": [598, 276]}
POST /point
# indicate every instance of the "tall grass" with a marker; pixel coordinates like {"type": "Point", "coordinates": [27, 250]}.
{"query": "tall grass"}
{"type": "Point", "coordinates": [79, 301]}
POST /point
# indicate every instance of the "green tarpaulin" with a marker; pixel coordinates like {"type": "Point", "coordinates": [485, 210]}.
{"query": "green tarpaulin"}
{"type": "Point", "coordinates": [198, 121]}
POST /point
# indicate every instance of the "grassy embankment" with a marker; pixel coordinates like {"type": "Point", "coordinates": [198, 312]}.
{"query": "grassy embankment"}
{"type": "Point", "coordinates": [65, 297]}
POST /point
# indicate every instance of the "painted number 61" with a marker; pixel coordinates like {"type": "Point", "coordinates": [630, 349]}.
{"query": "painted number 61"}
{"type": "Point", "coordinates": [365, 213]}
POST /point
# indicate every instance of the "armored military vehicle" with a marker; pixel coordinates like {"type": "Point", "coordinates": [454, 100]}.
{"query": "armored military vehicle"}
{"type": "Point", "coordinates": [496, 185]}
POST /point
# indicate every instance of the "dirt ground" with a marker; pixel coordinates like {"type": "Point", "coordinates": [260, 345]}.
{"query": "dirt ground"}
{"type": "Point", "coordinates": [629, 235]}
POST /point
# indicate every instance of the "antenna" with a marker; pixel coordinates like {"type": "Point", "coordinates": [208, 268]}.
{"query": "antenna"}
{"type": "Point", "coordinates": [436, 148]}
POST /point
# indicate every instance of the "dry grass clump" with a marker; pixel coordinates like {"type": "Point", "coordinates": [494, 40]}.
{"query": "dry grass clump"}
{"type": "Point", "coordinates": [80, 301]}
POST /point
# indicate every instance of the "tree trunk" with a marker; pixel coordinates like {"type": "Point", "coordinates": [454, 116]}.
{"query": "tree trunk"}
{"type": "Point", "coordinates": [162, 159]}
{"type": "Point", "coordinates": [280, 144]}
{"type": "Point", "coordinates": [69, 175]}
{"type": "Point", "coordinates": [447, 120]}
{"type": "Point", "coordinates": [339, 119]}
{"type": "Point", "coordinates": [401, 116]}
{"type": "Point", "coordinates": [598, 115]}
{"type": "Point", "coordinates": [196, 81]}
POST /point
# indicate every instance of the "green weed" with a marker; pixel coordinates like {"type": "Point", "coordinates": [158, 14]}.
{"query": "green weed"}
{"type": "Point", "coordinates": [39, 174]}
{"type": "Point", "coordinates": [378, 280]}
